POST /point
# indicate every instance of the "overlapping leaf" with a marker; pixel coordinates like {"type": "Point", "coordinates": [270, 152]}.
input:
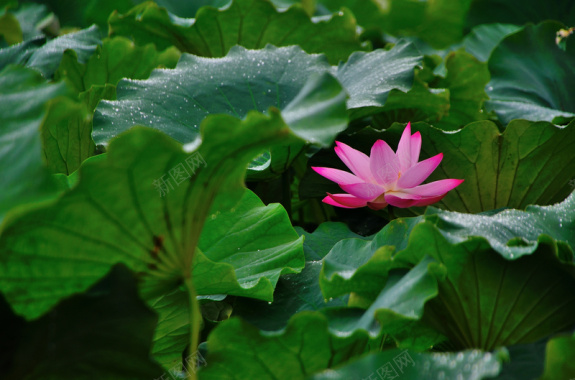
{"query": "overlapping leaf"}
{"type": "Point", "coordinates": [486, 307]}
{"type": "Point", "coordinates": [131, 222]}
{"type": "Point", "coordinates": [421, 18]}
{"type": "Point", "coordinates": [66, 136]}
{"type": "Point", "coordinates": [318, 244]}
{"type": "Point", "coordinates": [24, 100]}
{"type": "Point", "coordinates": [176, 101]}
{"type": "Point", "coordinates": [47, 57]}
{"type": "Point", "coordinates": [466, 79]}
{"type": "Point", "coordinates": [249, 23]}
{"type": "Point", "coordinates": [115, 59]}
{"type": "Point", "coordinates": [531, 77]}
{"type": "Point", "coordinates": [250, 242]}
{"type": "Point", "coordinates": [484, 38]}
{"type": "Point", "coordinates": [370, 78]}
{"type": "Point", "coordinates": [237, 350]}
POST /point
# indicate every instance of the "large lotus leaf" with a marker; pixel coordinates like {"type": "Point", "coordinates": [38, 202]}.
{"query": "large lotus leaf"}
{"type": "Point", "coordinates": [397, 310]}
{"type": "Point", "coordinates": [369, 78]}
{"type": "Point", "coordinates": [520, 12]}
{"type": "Point", "coordinates": [172, 333]}
{"type": "Point", "coordinates": [47, 57]}
{"type": "Point", "coordinates": [115, 59]}
{"type": "Point", "coordinates": [512, 233]}
{"type": "Point", "coordinates": [531, 77]}
{"type": "Point", "coordinates": [408, 365]}
{"type": "Point", "coordinates": [24, 99]}
{"type": "Point", "coordinates": [301, 291]}
{"type": "Point", "coordinates": [448, 101]}
{"type": "Point", "coordinates": [466, 79]}
{"type": "Point", "coordinates": [140, 207]}
{"type": "Point", "coordinates": [249, 23]}
{"type": "Point", "coordinates": [529, 163]}
{"type": "Point", "coordinates": [419, 104]}
{"type": "Point", "coordinates": [484, 38]}
{"type": "Point", "coordinates": [254, 239]}
{"type": "Point", "coordinates": [176, 101]}
{"type": "Point", "coordinates": [421, 18]}
{"type": "Point", "coordinates": [104, 333]}
{"type": "Point", "coordinates": [238, 350]}
{"type": "Point", "coordinates": [487, 299]}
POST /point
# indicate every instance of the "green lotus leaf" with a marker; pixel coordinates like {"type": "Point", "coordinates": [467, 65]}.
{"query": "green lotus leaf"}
{"type": "Point", "coordinates": [512, 233]}
{"type": "Point", "coordinates": [531, 77]}
{"type": "Point", "coordinates": [66, 136]}
{"type": "Point", "coordinates": [294, 293]}
{"type": "Point", "coordinates": [172, 332]}
{"type": "Point", "coordinates": [238, 350]}
{"type": "Point", "coordinates": [484, 38]}
{"type": "Point", "coordinates": [484, 308]}
{"type": "Point", "coordinates": [466, 79]}
{"type": "Point", "coordinates": [370, 78]}
{"type": "Point", "coordinates": [397, 309]}
{"type": "Point", "coordinates": [24, 177]}
{"type": "Point", "coordinates": [362, 266]}
{"type": "Point", "coordinates": [487, 301]}
{"type": "Point", "coordinates": [421, 18]}
{"type": "Point", "coordinates": [409, 365]}
{"type": "Point", "coordinates": [115, 59]}
{"type": "Point", "coordinates": [176, 101]}
{"type": "Point", "coordinates": [249, 23]}
{"type": "Point", "coordinates": [140, 213]}
{"type": "Point", "coordinates": [419, 104]}
{"type": "Point", "coordinates": [297, 292]}
{"type": "Point", "coordinates": [529, 163]}
{"type": "Point", "coordinates": [47, 57]}
{"type": "Point", "coordinates": [105, 332]}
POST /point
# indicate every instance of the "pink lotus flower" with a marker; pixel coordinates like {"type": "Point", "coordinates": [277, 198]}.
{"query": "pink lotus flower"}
{"type": "Point", "coordinates": [387, 177]}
